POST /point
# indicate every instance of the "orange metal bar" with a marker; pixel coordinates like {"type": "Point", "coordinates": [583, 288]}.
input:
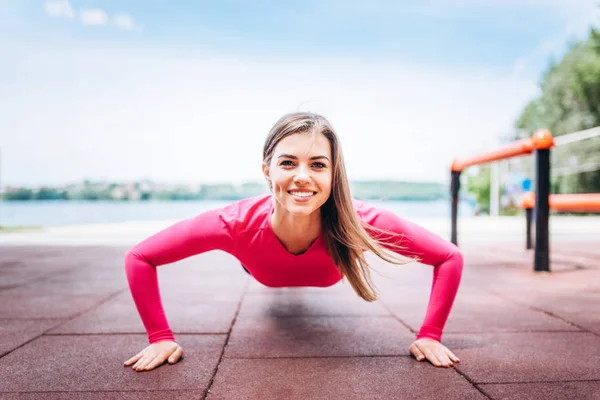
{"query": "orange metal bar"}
{"type": "Point", "coordinates": [585, 202]}
{"type": "Point", "coordinates": [541, 139]}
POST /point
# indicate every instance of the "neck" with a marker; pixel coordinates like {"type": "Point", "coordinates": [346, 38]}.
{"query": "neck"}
{"type": "Point", "coordinates": [296, 232]}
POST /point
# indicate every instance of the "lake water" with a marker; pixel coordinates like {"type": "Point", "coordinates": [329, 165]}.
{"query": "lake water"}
{"type": "Point", "coordinates": [57, 213]}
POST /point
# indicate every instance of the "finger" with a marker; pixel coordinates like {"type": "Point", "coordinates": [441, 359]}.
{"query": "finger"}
{"type": "Point", "coordinates": [173, 358]}
{"type": "Point", "coordinates": [148, 361]}
{"type": "Point", "coordinates": [444, 359]}
{"type": "Point", "coordinates": [453, 356]}
{"type": "Point", "coordinates": [140, 362]}
{"type": "Point", "coordinates": [158, 360]}
{"type": "Point", "coordinates": [418, 354]}
{"type": "Point", "coordinates": [134, 358]}
{"type": "Point", "coordinates": [432, 357]}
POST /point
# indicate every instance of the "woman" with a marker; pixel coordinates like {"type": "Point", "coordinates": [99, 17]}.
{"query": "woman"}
{"type": "Point", "coordinates": [307, 232]}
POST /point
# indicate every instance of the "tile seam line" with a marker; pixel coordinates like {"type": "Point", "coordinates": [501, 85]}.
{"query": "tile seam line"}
{"type": "Point", "coordinates": [222, 355]}
{"type": "Point", "coordinates": [134, 334]}
{"type": "Point", "coordinates": [533, 382]}
{"type": "Point", "coordinates": [106, 391]}
{"type": "Point", "coordinates": [40, 278]}
{"type": "Point", "coordinates": [320, 357]}
{"type": "Point", "coordinates": [473, 383]}
{"type": "Point", "coordinates": [63, 321]}
{"type": "Point", "coordinates": [551, 314]}
{"type": "Point", "coordinates": [199, 390]}
{"type": "Point", "coordinates": [393, 315]}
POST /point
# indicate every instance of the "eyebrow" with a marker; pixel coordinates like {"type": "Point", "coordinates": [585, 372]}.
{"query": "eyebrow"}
{"type": "Point", "coordinates": [295, 158]}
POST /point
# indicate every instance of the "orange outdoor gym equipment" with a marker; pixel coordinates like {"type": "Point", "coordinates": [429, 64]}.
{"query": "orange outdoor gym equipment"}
{"type": "Point", "coordinates": [584, 202]}
{"type": "Point", "coordinates": [540, 142]}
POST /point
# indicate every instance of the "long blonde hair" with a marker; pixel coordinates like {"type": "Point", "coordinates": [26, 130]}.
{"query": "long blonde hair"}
{"type": "Point", "coordinates": [346, 235]}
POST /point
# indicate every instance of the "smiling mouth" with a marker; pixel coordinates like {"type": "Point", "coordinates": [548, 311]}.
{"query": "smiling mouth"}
{"type": "Point", "coordinates": [302, 194]}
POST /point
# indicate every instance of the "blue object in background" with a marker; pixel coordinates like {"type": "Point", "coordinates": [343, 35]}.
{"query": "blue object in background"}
{"type": "Point", "coordinates": [526, 184]}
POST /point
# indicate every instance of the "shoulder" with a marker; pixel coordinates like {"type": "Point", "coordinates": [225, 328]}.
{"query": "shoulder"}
{"type": "Point", "coordinates": [246, 214]}
{"type": "Point", "coordinates": [368, 212]}
{"type": "Point", "coordinates": [380, 218]}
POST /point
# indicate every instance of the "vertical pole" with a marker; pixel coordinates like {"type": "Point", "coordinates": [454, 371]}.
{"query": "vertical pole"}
{"type": "Point", "coordinates": [542, 210]}
{"type": "Point", "coordinates": [454, 189]}
{"type": "Point", "coordinates": [495, 189]}
{"type": "Point", "coordinates": [528, 215]}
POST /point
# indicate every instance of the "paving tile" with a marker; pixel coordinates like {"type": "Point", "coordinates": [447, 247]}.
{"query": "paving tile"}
{"type": "Point", "coordinates": [283, 324]}
{"type": "Point", "coordinates": [16, 273]}
{"type": "Point", "coordinates": [527, 357]}
{"type": "Point", "coordinates": [27, 252]}
{"type": "Point", "coordinates": [28, 303]}
{"type": "Point", "coordinates": [211, 263]}
{"type": "Point", "coordinates": [170, 394]}
{"type": "Point", "coordinates": [206, 271]}
{"type": "Point", "coordinates": [23, 267]}
{"type": "Point", "coordinates": [215, 289]}
{"type": "Point", "coordinates": [543, 391]}
{"type": "Point", "coordinates": [338, 378]}
{"type": "Point", "coordinates": [304, 303]}
{"type": "Point", "coordinates": [78, 282]}
{"type": "Point", "coordinates": [15, 253]}
{"type": "Point", "coordinates": [563, 257]}
{"type": "Point", "coordinates": [318, 337]}
{"type": "Point", "coordinates": [15, 332]}
{"type": "Point", "coordinates": [403, 275]}
{"type": "Point", "coordinates": [475, 311]}
{"type": "Point", "coordinates": [185, 315]}
{"type": "Point", "coordinates": [95, 363]}
{"type": "Point", "coordinates": [581, 307]}
{"type": "Point", "coordinates": [20, 271]}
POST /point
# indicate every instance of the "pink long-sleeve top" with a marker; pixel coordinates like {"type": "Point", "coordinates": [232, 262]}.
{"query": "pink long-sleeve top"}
{"type": "Point", "coordinates": [243, 229]}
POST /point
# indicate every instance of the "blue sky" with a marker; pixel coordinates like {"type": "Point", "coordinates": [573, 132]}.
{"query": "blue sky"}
{"type": "Point", "coordinates": [186, 91]}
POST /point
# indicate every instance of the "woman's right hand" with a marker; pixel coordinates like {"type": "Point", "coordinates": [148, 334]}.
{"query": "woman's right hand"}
{"type": "Point", "coordinates": [156, 354]}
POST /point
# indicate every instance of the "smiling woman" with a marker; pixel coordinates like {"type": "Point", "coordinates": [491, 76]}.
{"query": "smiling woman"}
{"type": "Point", "coordinates": [307, 232]}
{"type": "Point", "coordinates": [312, 197]}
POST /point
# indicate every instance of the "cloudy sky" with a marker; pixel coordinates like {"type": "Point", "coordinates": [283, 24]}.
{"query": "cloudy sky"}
{"type": "Point", "coordinates": [186, 91]}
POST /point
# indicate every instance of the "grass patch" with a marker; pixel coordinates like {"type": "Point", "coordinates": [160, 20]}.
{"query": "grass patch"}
{"type": "Point", "coordinates": [4, 229]}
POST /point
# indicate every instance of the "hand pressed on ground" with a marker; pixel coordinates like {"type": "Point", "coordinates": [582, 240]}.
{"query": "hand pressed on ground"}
{"type": "Point", "coordinates": [156, 354]}
{"type": "Point", "coordinates": [435, 352]}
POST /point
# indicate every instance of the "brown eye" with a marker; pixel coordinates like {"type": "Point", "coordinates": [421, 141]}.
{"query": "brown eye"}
{"type": "Point", "coordinates": [319, 165]}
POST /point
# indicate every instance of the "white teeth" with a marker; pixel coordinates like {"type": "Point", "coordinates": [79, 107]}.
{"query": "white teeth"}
{"type": "Point", "coordinates": [302, 194]}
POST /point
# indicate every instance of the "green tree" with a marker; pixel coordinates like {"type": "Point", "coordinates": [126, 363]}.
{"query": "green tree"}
{"type": "Point", "coordinates": [46, 193]}
{"type": "Point", "coordinates": [19, 194]}
{"type": "Point", "coordinates": [479, 186]}
{"type": "Point", "coordinates": [569, 102]}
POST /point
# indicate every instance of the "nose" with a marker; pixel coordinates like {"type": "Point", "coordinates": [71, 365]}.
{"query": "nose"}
{"type": "Point", "coordinates": [302, 176]}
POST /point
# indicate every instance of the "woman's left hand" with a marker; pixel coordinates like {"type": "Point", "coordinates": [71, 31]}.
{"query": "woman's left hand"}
{"type": "Point", "coordinates": [432, 350]}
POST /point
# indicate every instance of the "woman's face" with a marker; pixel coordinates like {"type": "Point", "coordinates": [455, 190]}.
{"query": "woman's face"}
{"type": "Point", "coordinates": [300, 172]}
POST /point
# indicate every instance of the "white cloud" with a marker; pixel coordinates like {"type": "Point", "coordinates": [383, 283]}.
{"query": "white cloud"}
{"type": "Point", "coordinates": [89, 16]}
{"type": "Point", "coordinates": [580, 16]}
{"type": "Point", "coordinates": [59, 8]}
{"type": "Point", "coordinates": [127, 116]}
{"type": "Point", "coordinates": [93, 16]}
{"type": "Point", "coordinates": [454, 9]}
{"type": "Point", "coordinates": [124, 21]}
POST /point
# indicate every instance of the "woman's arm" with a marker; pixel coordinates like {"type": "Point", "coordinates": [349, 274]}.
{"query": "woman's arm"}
{"type": "Point", "coordinates": [205, 232]}
{"type": "Point", "coordinates": [444, 256]}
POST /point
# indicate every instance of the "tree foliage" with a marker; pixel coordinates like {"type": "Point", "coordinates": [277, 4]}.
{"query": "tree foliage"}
{"type": "Point", "coordinates": [569, 102]}
{"type": "Point", "coordinates": [479, 186]}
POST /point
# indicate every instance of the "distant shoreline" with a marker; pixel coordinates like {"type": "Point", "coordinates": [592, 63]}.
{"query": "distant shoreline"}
{"type": "Point", "coordinates": [206, 200]}
{"type": "Point", "coordinates": [148, 190]}
{"type": "Point", "coordinates": [48, 213]}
